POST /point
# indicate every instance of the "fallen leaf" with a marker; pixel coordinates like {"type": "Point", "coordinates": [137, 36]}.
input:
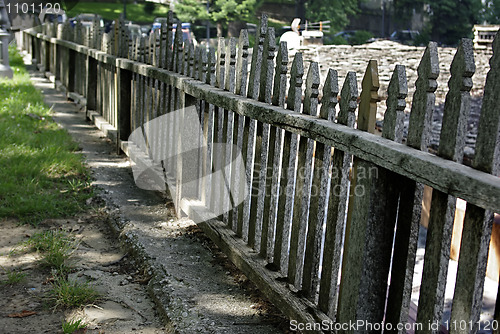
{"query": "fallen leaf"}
{"type": "Point", "coordinates": [24, 313]}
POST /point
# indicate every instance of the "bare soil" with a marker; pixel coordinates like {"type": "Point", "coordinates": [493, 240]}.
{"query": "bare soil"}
{"type": "Point", "coordinates": [124, 306]}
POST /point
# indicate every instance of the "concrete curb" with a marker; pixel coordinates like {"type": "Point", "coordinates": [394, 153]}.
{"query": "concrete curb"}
{"type": "Point", "coordinates": [192, 293]}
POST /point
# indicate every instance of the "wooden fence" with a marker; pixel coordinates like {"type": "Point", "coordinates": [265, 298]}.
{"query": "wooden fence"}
{"type": "Point", "coordinates": [333, 210]}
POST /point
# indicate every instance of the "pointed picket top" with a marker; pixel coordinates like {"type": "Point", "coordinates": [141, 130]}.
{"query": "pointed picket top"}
{"type": "Point", "coordinates": [369, 97]}
{"type": "Point", "coordinates": [279, 89]}
{"type": "Point", "coordinates": [424, 98]}
{"type": "Point", "coordinates": [294, 99]}
{"type": "Point", "coordinates": [312, 91]}
{"type": "Point", "coordinates": [266, 73]}
{"type": "Point", "coordinates": [163, 45]}
{"type": "Point", "coordinates": [348, 100]}
{"type": "Point", "coordinates": [230, 80]}
{"type": "Point", "coordinates": [203, 64]}
{"type": "Point", "coordinates": [142, 50]}
{"type": "Point", "coordinates": [488, 141]}
{"type": "Point", "coordinates": [151, 48]}
{"type": "Point", "coordinates": [396, 104]}
{"type": "Point", "coordinates": [242, 63]}
{"type": "Point", "coordinates": [157, 49]}
{"type": "Point", "coordinates": [177, 50]}
{"type": "Point", "coordinates": [211, 67]}
{"type": "Point", "coordinates": [221, 62]}
{"type": "Point", "coordinates": [197, 62]}
{"type": "Point", "coordinates": [457, 104]}
{"type": "Point", "coordinates": [330, 93]}
{"type": "Point", "coordinates": [137, 45]}
{"type": "Point", "coordinates": [168, 58]}
{"type": "Point", "coordinates": [253, 82]}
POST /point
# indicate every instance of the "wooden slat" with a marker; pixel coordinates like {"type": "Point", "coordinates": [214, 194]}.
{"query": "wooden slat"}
{"type": "Point", "coordinates": [410, 202]}
{"type": "Point", "coordinates": [287, 178]}
{"type": "Point", "coordinates": [303, 184]}
{"type": "Point", "coordinates": [261, 147]}
{"type": "Point", "coordinates": [319, 200]}
{"type": "Point", "coordinates": [478, 222]}
{"type": "Point", "coordinates": [230, 85]}
{"type": "Point", "coordinates": [239, 123]}
{"type": "Point", "coordinates": [365, 264]}
{"type": "Point", "coordinates": [249, 131]}
{"type": "Point", "coordinates": [337, 203]}
{"type": "Point", "coordinates": [452, 140]}
{"type": "Point", "coordinates": [386, 193]}
{"type": "Point", "coordinates": [274, 160]}
{"type": "Point", "coordinates": [218, 184]}
{"type": "Point", "coordinates": [209, 128]}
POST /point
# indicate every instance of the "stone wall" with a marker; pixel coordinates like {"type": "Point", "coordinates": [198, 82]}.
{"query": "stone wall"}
{"type": "Point", "coordinates": [344, 58]}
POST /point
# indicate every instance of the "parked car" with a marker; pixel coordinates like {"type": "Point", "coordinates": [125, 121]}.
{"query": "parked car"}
{"type": "Point", "coordinates": [87, 19]}
{"type": "Point", "coordinates": [404, 36]}
{"type": "Point", "coordinates": [187, 33]}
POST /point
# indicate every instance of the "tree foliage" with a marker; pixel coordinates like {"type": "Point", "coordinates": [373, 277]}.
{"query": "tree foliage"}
{"type": "Point", "coordinates": [491, 11]}
{"type": "Point", "coordinates": [449, 20]}
{"type": "Point", "coordinates": [336, 11]}
{"type": "Point", "coordinates": [220, 11]}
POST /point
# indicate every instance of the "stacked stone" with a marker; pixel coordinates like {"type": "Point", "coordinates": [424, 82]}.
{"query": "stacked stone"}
{"type": "Point", "coordinates": [388, 54]}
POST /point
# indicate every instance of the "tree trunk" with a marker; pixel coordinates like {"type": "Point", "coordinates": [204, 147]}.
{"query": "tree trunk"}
{"type": "Point", "coordinates": [219, 29]}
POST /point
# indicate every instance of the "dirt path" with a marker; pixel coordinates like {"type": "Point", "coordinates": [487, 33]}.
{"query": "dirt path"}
{"type": "Point", "coordinates": [124, 307]}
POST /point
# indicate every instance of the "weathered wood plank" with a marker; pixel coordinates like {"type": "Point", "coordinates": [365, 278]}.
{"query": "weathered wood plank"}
{"type": "Point", "coordinates": [478, 222]}
{"type": "Point", "coordinates": [274, 162]}
{"type": "Point", "coordinates": [261, 146]}
{"type": "Point", "coordinates": [249, 132]}
{"type": "Point", "coordinates": [316, 216]}
{"type": "Point", "coordinates": [287, 178]}
{"type": "Point", "coordinates": [218, 182]}
{"type": "Point", "coordinates": [303, 184]}
{"type": "Point", "coordinates": [410, 202]}
{"type": "Point", "coordinates": [230, 85]}
{"type": "Point", "coordinates": [437, 250]}
{"type": "Point", "coordinates": [337, 203]}
{"type": "Point", "coordinates": [239, 123]}
{"type": "Point", "coordinates": [367, 245]}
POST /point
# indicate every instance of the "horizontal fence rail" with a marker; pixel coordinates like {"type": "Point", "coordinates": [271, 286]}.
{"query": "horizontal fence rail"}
{"type": "Point", "coordinates": [292, 182]}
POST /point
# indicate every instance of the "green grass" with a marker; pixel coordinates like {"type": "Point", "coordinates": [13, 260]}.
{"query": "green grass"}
{"type": "Point", "coordinates": [68, 294]}
{"type": "Point", "coordinates": [69, 327]}
{"type": "Point", "coordinates": [13, 277]}
{"type": "Point", "coordinates": [56, 248]}
{"type": "Point", "coordinates": [111, 11]}
{"type": "Point", "coordinates": [40, 174]}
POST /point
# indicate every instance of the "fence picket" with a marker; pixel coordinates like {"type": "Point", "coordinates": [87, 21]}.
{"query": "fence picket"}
{"type": "Point", "coordinates": [478, 222]}
{"type": "Point", "coordinates": [365, 263]}
{"type": "Point", "coordinates": [451, 145]}
{"type": "Point", "coordinates": [411, 194]}
{"type": "Point", "coordinates": [218, 182]}
{"type": "Point", "coordinates": [249, 129]}
{"type": "Point", "coordinates": [261, 147]}
{"type": "Point", "coordinates": [287, 178]}
{"type": "Point", "coordinates": [230, 85]}
{"type": "Point", "coordinates": [319, 201]}
{"type": "Point", "coordinates": [239, 123]}
{"type": "Point", "coordinates": [337, 202]}
{"type": "Point", "coordinates": [269, 235]}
